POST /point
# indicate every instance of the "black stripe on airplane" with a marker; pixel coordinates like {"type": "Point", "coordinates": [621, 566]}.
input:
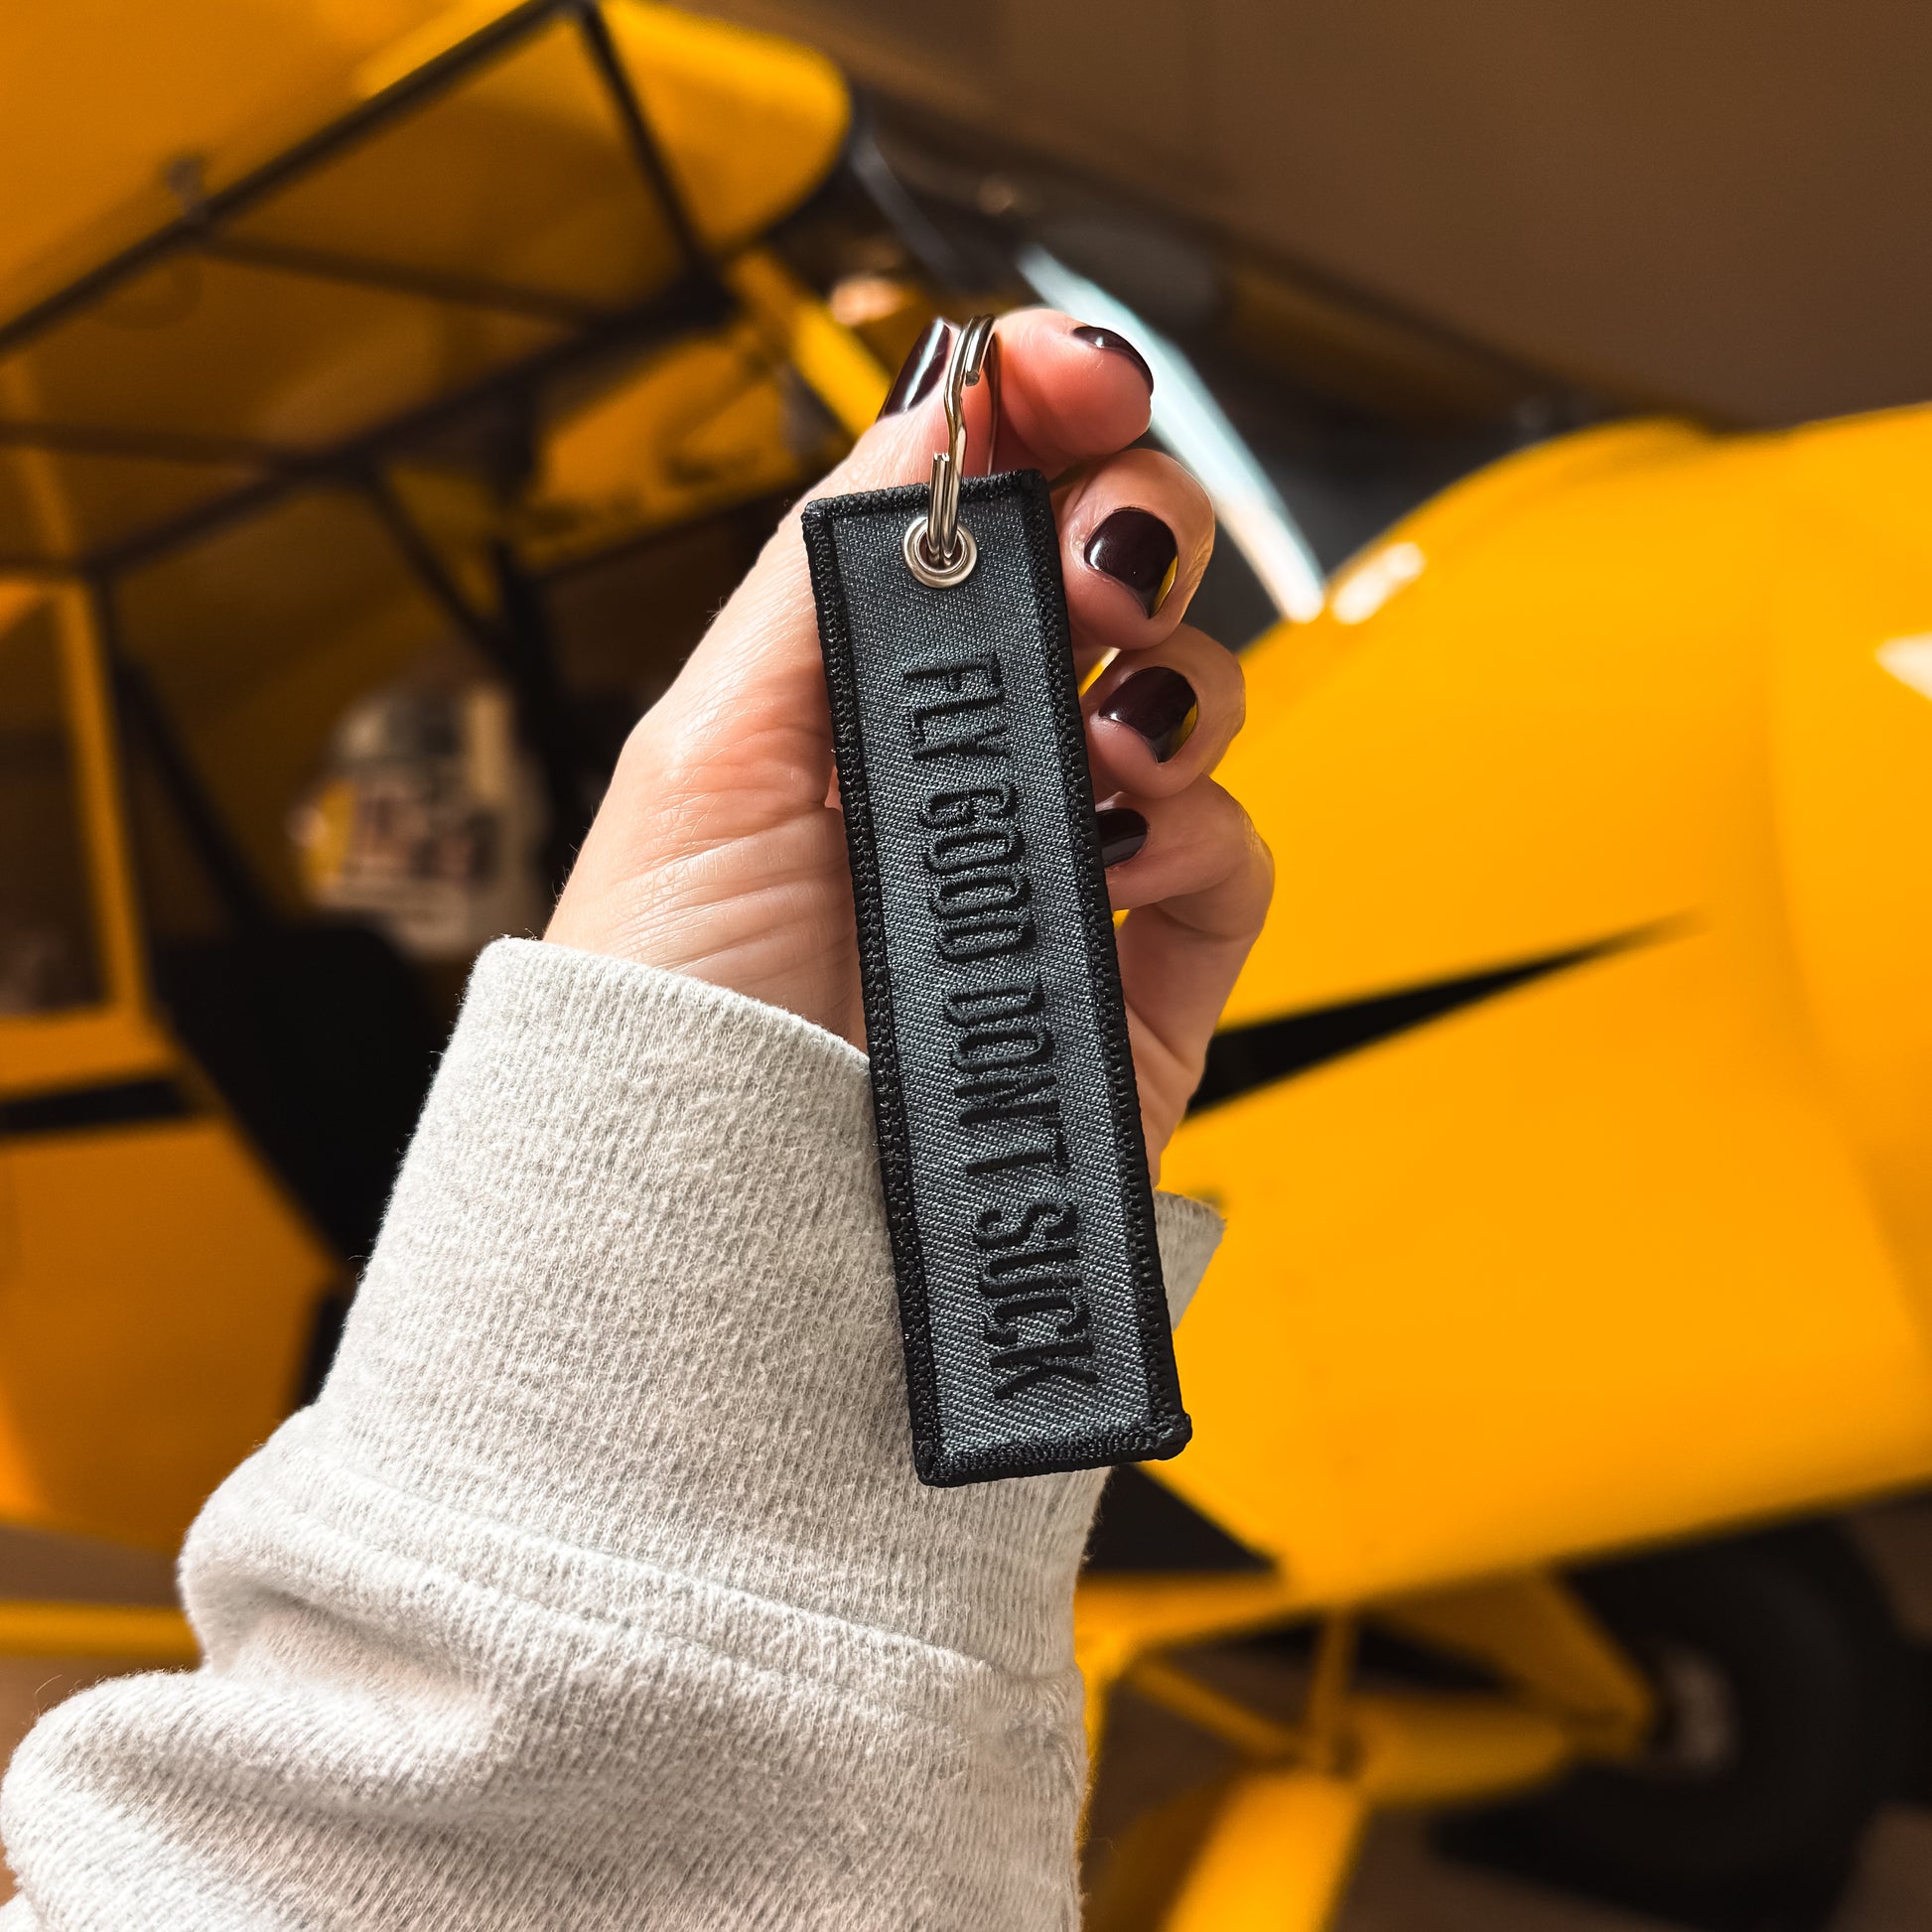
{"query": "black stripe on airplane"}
{"type": "Point", "coordinates": [1244, 1059]}
{"type": "Point", "coordinates": [78, 1110]}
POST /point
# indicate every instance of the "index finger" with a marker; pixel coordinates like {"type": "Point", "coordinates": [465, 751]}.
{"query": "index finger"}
{"type": "Point", "coordinates": [1071, 393]}
{"type": "Point", "coordinates": [1068, 394]}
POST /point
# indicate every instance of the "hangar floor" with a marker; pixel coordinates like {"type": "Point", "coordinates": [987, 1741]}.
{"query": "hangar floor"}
{"type": "Point", "coordinates": [1403, 1886]}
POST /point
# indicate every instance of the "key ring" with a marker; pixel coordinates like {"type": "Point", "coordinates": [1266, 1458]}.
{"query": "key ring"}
{"type": "Point", "coordinates": [939, 549]}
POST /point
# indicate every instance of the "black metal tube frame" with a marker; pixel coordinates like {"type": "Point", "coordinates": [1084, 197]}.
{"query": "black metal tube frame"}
{"type": "Point", "coordinates": [698, 296]}
{"type": "Point", "coordinates": [513, 641]}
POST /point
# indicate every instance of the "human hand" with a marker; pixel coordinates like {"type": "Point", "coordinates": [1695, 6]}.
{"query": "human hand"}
{"type": "Point", "coordinates": [719, 850]}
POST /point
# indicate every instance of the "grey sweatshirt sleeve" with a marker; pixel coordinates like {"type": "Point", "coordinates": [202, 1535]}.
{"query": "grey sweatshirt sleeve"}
{"type": "Point", "coordinates": [597, 1590]}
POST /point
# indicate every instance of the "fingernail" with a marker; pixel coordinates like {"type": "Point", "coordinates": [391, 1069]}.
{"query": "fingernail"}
{"type": "Point", "coordinates": [1123, 831]}
{"type": "Point", "coordinates": [1116, 346]}
{"type": "Point", "coordinates": [1161, 705]}
{"type": "Point", "coordinates": [918, 376]}
{"type": "Point", "coordinates": [1138, 549]}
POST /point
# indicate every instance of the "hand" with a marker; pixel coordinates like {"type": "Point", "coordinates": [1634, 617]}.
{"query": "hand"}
{"type": "Point", "coordinates": [719, 850]}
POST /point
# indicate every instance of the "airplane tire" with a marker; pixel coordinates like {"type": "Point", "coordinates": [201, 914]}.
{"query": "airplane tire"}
{"type": "Point", "coordinates": [1787, 1704]}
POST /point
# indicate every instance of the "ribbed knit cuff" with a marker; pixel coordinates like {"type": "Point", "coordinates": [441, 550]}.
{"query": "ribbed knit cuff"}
{"type": "Point", "coordinates": [634, 1295]}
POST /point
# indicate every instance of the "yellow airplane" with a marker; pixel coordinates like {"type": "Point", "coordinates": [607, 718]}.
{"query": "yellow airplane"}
{"type": "Point", "coordinates": [1569, 1120]}
{"type": "Point", "coordinates": [240, 414]}
{"type": "Point", "coordinates": [1572, 1126]}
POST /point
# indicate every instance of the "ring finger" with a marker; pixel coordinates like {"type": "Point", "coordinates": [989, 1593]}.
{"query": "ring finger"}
{"type": "Point", "coordinates": [1158, 720]}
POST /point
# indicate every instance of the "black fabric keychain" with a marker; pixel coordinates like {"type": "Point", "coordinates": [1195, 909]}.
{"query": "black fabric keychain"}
{"type": "Point", "coordinates": [1029, 1293]}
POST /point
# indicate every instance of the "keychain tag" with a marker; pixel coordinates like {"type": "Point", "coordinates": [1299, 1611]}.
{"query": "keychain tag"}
{"type": "Point", "coordinates": [1029, 1293]}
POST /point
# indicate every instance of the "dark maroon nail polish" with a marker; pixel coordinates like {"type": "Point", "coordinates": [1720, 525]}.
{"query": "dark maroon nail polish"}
{"type": "Point", "coordinates": [1139, 550]}
{"type": "Point", "coordinates": [1123, 831]}
{"type": "Point", "coordinates": [1116, 346]}
{"type": "Point", "coordinates": [918, 376]}
{"type": "Point", "coordinates": [1161, 705]}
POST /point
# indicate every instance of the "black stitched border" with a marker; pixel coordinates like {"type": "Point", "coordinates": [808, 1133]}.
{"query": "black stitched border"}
{"type": "Point", "coordinates": [1168, 1429]}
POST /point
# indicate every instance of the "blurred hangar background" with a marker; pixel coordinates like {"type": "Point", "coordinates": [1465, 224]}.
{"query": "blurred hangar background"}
{"type": "Point", "coordinates": [389, 392]}
{"type": "Point", "coordinates": [1708, 208]}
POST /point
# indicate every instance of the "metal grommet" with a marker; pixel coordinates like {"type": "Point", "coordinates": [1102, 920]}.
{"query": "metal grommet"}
{"type": "Point", "coordinates": [942, 577]}
{"type": "Point", "coordinates": [938, 551]}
